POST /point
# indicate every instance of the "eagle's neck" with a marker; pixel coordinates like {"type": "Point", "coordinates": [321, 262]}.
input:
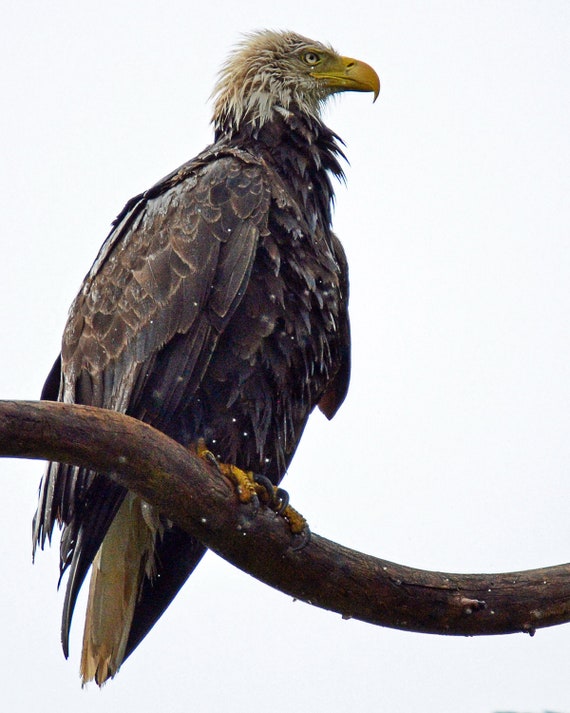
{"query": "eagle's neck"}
{"type": "Point", "coordinates": [304, 151]}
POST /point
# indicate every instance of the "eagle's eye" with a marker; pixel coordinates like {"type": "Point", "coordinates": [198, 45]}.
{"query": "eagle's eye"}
{"type": "Point", "coordinates": [311, 58]}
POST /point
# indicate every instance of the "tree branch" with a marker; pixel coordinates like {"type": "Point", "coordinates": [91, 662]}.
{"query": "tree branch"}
{"type": "Point", "coordinates": [194, 496]}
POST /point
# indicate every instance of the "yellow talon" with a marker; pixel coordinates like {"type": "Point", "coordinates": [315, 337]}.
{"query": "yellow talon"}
{"type": "Point", "coordinates": [202, 451]}
{"type": "Point", "coordinates": [242, 479]}
{"type": "Point", "coordinates": [297, 523]}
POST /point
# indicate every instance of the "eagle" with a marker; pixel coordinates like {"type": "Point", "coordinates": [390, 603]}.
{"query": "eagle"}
{"type": "Point", "coordinates": [217, 312]}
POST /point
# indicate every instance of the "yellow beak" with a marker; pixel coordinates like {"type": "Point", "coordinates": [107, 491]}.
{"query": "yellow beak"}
{"type": "Point", "coordinates": [349, 75]}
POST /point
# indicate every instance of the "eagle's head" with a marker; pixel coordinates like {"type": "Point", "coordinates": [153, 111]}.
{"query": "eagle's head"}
{"type": "Point", "coordinates": [283, 72]}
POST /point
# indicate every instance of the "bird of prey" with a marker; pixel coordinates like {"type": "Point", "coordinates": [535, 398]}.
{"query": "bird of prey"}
{"type": "Point", "coordinates": [216, 311]}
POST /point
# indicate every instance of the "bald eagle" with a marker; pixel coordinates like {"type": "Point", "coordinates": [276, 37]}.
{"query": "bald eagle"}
{"type": "Point", "coordinates": [216, 311]}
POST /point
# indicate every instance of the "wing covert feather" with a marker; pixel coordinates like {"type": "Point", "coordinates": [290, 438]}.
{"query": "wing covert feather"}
{"type": "Point", "coordinates": [187, 255]}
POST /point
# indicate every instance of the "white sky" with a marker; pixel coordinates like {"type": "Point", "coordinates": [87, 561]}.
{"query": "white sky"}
{"type": "Point", "coordinates": [452, 450]}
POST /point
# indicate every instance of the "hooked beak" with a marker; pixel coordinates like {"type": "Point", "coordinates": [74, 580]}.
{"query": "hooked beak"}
{"type": "Point", "coordinates": [350, 75]}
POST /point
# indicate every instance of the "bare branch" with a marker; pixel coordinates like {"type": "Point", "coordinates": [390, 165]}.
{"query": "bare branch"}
{"type": "Point", "coordinates": [198, 499]}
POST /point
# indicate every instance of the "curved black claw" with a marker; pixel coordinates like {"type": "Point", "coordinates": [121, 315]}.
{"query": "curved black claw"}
{"type": "Point", "coordinates": [210, 458]}
{"type": "Point", "coordinates": [278, 500]}
{"type": "Point", "coordinates": [302, 539]}
{"type": "Point", "coordinates": [281, 500]}
{"type": "Point", "coordinates": [267, 486]}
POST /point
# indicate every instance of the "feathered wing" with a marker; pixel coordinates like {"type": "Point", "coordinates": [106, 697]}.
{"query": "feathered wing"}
{"type": "Point", "coordinates": [337, 388]}
{"type": "Point", "coordinates": [171, 273]}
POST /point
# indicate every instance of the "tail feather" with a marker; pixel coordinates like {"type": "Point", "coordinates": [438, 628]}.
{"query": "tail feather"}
{"type": "Point", "coordinates": [118, 572]}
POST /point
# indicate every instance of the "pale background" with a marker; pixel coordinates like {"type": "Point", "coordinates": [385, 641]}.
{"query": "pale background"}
{"type": "Point", "coordinates": [452, 450]}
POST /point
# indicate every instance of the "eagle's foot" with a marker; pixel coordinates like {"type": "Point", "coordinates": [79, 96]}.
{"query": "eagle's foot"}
{"type": "Point", "coordinates": [241, 479]}
{"type": "Point", "coordinates": [258, 488]}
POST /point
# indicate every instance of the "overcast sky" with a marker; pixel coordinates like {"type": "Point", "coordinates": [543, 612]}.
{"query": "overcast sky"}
{"type": "Point", "coordinates": [452, 449]}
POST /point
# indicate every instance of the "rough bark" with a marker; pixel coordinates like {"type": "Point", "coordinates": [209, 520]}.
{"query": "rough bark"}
{"type": "Point", "coordinates": [196, 497]}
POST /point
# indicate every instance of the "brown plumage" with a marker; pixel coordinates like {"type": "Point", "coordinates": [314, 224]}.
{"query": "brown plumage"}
{"type": "Point", "coordinates": [216, 309]}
